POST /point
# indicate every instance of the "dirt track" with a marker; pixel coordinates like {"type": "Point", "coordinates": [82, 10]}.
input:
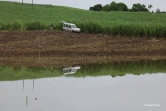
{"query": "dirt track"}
{"type": "Point", "coordinates": [56, 48]}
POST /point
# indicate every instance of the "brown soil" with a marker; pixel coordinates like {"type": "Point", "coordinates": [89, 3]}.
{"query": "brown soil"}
{"type": "Point", "coordinates": [56, 48]}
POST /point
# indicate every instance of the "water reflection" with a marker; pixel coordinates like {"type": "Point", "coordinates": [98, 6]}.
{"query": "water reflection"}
{"type": "Point", "coordinates": [70, 70]}
{"type": "Point", "coordinates": [112, 69]}
{"type": "Point", "coordinates": [33, 84]}
{"type": "Point", "coordinates": [102, 93]}
{"type": "Point", "coordinates": [92, 87]}
{"type": "Point", "coordinates": [27, 100]}
{"type": "Point", "coordinates": [25, 90]}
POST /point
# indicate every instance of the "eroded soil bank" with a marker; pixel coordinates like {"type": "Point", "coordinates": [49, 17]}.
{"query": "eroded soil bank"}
{"type": "Point", "coordinates": [56, 48]}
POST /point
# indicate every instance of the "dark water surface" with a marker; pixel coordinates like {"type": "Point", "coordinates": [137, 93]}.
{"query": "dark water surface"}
{"type": "Point", "coordinates": [92, 88]}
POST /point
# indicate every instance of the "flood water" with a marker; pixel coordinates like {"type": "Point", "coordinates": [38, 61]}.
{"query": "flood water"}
{"type": "Point", "coordinates": [118, 87]}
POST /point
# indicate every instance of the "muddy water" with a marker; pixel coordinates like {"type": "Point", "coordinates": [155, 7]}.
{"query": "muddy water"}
{"type": "Point", "coordinates": [138, 86]}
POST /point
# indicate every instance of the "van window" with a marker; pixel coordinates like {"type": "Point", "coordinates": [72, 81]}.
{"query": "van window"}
{"type": "Point", "coordinates": [69, 26]}
{"type": "Point", "coordinates": [74, 26]}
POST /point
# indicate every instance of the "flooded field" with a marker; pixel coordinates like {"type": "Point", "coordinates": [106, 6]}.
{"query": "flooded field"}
{"type": "Point", "coordinates": [127, 86]}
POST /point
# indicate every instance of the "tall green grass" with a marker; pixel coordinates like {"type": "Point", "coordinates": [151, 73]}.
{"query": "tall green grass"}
{"type": "Point", "coordinates": [14, 16]}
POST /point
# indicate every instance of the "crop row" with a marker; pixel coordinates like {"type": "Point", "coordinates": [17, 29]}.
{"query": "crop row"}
{"type": "Point", "coordinates": [110, 28]}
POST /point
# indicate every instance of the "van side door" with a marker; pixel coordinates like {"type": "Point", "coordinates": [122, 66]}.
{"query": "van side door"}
{"type": "Point", "coordinates": [70, 28]}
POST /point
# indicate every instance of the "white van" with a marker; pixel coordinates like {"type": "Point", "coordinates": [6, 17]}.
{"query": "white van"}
{"type": "Point", "coordinates": [70, 27]}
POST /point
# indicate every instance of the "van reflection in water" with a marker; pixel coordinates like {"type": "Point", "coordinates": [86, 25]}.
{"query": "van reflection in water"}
{"type": "Point", "coordinates": [70, 70]}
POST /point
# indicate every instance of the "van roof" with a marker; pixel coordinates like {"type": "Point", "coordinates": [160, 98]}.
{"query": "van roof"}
{"type": "Point", "coordinates": [68, 23]}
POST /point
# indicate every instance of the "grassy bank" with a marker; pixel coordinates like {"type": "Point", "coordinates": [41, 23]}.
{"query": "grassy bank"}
{"type": "Point", "coordinates": [14, 16]}
{"type": "Point", "coordinates": [111, 69]}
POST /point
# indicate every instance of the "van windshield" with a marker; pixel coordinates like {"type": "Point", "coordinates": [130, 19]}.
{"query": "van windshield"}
{"type": "Point", "coordinates": [73, 26]}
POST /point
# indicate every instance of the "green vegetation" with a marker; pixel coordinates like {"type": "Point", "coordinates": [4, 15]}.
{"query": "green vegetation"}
{"type": "Point", "coordinates": [138, 7]}
{"type": "Point", "coordinates": [113, 6]}
{"type": "Point", "coordinates": [122, 68]}
{"type": "Point", "coordinates": [111, 69]}
{"type": "Point", "coordinates": [17, 17]}
{"type": "Point", "coordinates": [18, 73]}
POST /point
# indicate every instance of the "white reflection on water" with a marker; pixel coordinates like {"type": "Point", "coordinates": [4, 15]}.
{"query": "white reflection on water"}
{"type": "Point", "coordinates": [70, 70]}
{"type": "Point", "coordinates": [104, 93]}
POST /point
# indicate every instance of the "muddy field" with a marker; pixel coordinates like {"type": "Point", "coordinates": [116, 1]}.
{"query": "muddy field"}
{"type": "Point", "coordinates": [56, 48]}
